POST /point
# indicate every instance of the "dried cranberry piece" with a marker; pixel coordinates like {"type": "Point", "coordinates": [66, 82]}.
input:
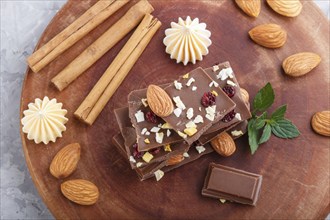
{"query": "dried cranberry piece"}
{"type": "Point", "coordinates": [136, 153]}
{"type": "Point", "coordinates": [208, 99]}
{"type": "Point", "coordinates": [230, 116]}
{"type": "Point", "coordinates": [151, 117]}
{"type": "Point", "coordinates": [229, 90]}
{"type": "Point", "coordinates": [154, 151]}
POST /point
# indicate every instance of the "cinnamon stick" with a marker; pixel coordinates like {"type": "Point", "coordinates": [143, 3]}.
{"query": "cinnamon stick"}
{"type": "Point", "coordinates": [94, 16]}
{"type": "Point", "coordinates": [101, 93]}
{"type": "Point", "coordinates": [103, 44]}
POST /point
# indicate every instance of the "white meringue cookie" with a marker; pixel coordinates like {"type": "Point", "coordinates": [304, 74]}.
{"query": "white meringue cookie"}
{"type": "Point", "coordinates": [187, 41]}
{"type": "Point", "coordinates": [44, 120]}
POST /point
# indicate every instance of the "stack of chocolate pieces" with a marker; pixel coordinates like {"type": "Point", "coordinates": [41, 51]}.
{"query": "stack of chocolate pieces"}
{"type": "Point", "coordinates": [206, 103]}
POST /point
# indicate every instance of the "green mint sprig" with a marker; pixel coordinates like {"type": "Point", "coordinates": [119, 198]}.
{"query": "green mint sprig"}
{"type": "Point", "coordinates": [260, 127]}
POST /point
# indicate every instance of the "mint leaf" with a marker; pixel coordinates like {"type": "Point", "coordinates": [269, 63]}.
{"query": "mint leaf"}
{"type": "Point", "coordinates": [264, 98]}
{"type": "Point", "coordinates": [265, 134]}
{"type": "Point", "coordinates": [253, 136]}
{"type": "Point", "coordinates": [279, 113]}
{"type": "Point", "coordinates": [284, 128]}
{"type": "Point", "coordinates": [261, 121]}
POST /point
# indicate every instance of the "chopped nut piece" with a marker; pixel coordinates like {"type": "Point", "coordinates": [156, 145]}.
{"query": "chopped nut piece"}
{"type": "Point", "coordinates": [177, 85]}
{"type": "Point", "coordinates": [190, 131]}
{"type": "Point", "coordinates": [155, 129]}
{"type": "Point", "coordinates": [194, 88]}
{"type": "Point", "coordinates": [167, 148]}
{"type": "Point", "coordinates": [225, 73]}
{"type": "Point", "coordinates": [238, 116]}
{"type": "Point", "coordinates": [185, 154]}
{"type": "Point", "coordinates": [191, 124]}
{"type": "Point", "coordinates": [179, 103]}
{"type": "Point", "coordinates": [186, 76]}
{"type": "Point", "coordinates": [236, 133]}
{"type": "Point", "coordinates": [147, 157]}
{"type": "Point", "coordinates": [139, 116]}
{"type": "Point", "coordinates": [215, 68]}
{"type": "Point", "coordinates": [166, 126]}
{"type": "Point", "coordinates": [214, 93]}
{"type": "Point", "coordinates": [231, 83]}
{"type": "Point", "coordinates": [144, 130]}
{"type": "Point", "coordinates": [177, 112]}
{"type": "Point", "coordinates": [190, 113]}
{"type": "Point", "coordinates": [144, 102]}
{"type": "Point", "coordinates": [198, 119]}
{"type": "Point", "coordinates": [159, 137]}
{"type": "Point", "coordinates": [183, 135]}
{"type": "Point", "coordinates": [190, 81]}
{"type": "Point", "coordinates": [200, 109]}
{"type": "Point", "coordinates": [168, 133]}
{"type": "Point", "coordinates": [213, 83]}
{"type": "Point", "coordinates": [200, 149]}
{"type": "Point", "coordinates": [139, 164]}
{"type": "Point", "coordinates": [147, 141]}
{"type": "Point", "coordinates": [131, 159]}
{"type": "Point", "coordinates": [159, 174]}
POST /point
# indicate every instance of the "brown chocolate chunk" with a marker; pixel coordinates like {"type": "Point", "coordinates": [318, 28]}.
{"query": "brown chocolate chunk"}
{"type": "Point", "coordinates": [231, 184]}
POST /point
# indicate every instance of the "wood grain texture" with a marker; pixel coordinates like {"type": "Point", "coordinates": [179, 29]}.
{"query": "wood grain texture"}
{"type": "Point", "coordinates": [295, 173]}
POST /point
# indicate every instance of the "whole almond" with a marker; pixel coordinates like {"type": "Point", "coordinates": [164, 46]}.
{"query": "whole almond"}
{"type": "Point", "coordinates": [289, 8]}
{"type": "Point", "coordinates": [321, 123]}
{"type": "Point", "coordinates": [300, 63]}
{"type": "Point", "coordinates": [224, 144]}
{"type": "Point", "coordinates": [268, 35]}
{"type": "Point", "coordinates": [159, 101]}
{"type": "Point", "coordinates": [245, 95]}
{"type": "Point", "coordinates": [175, 159]}
{"type": "Point", "coordinates": [80, 191]}
{"type": "Point", "coordinates": [250, 7]}
{"type": "Point", "coordinates": [65, 161]}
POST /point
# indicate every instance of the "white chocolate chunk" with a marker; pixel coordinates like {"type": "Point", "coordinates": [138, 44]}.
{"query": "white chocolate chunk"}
{"type": "Point", "coordinates": [210, 112]}
{"type": "Point", "coordinates": [191, 124]}
{"type": "Point", "coordinates": [200, 149]}
{"type": "Point", "coordinates": [144, 131]}
{"type": "Point", "coordinates": [225, 73]}
{"type": "Point", "coordinates": [213, 83]}
{"type": "Point", "coordinates": [159, 174]}
{"type": "Point", "coordinates": [147, 133]}
{"type": "Point", "coordinates": [144, 102]}
{"type": "Point", "coordinates": [185, 154]}
{"type": "Point", "coordinates": [190, 81]}
{"type": "Point", "coordinates": [139, 116]}
{"type": "Point", "coordinates": [155, 129]}
{"type": "Point", "coordinates": [139, 164]}
{"type": "Point", "coordinates": [231, 83]}
{"type": "Point", "coordinates": [168, 133]}
{"type": "Point", "coordinates": [179, 103]}
{"type": "Point", "coordinates": [194, 88]}
{"type": "Point", "coordinates": [236, 133]}
{"type": "Point", "coordinates": [177, 112]}
{"type": "Point", "coordinates": [238, 116]}
{"type": "Point", "coordinates": [177, 85]}
{"type": "Point", "coordinates": [181, 134]}
{"type": "Point", "coordinates": [131, 159]}
{"type": "Point", "coordinates": [215, 68]}
{"type": "Point", "coordinates": [190, 113]}
{"type": "Point", "coordinates": [159, 137]}
{"type": "Point", "coordinates": [198, 119]}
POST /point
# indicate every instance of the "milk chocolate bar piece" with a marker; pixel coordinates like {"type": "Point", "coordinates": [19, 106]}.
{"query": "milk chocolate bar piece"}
{"type": "Point", "coordinates": [232, 184]}
{"type": "Point", "coordinates": [143, 129]}
{"type": "Point", "coordinates": [187, 93]}
{"type": "Point", "coordinates": [148, 171]}
{"type": "Point", "coordinates": [132, 153]}
{"type": "Point", "coordinates": [224, 75]}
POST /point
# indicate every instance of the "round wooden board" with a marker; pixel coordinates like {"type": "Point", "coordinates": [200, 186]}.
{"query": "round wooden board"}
{"type": "Point", "coordinates": [295, 172]}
